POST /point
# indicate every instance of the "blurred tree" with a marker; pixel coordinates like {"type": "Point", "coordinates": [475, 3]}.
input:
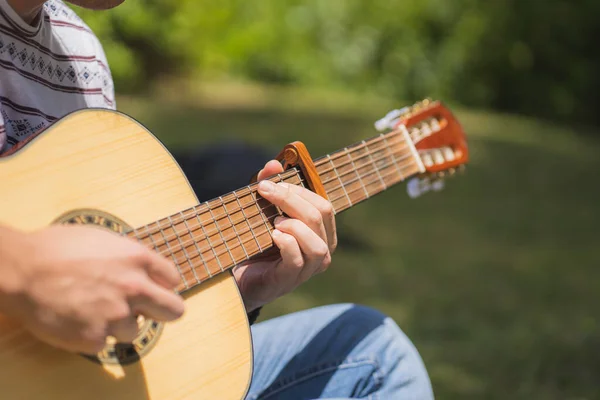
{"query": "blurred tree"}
{"type": "Point", "coordinates": [536, 57]}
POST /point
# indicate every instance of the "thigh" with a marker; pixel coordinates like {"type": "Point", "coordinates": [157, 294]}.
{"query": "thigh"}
{"type": "Point", "coordinates": [338, 351]}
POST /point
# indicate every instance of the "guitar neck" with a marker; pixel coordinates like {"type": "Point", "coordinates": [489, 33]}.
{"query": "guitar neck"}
{"type": "Point", "coordinates": [214, 236]}
{"type": "Point", "coordinates": [357, 172]}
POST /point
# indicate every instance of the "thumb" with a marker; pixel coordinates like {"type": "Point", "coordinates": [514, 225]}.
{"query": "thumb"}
{"type": "Point", "coordinates": [273, 167]}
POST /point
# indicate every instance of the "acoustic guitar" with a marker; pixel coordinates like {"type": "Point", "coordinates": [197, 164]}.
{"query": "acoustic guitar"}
{"type": "Point", "coordinates": [103, 168]}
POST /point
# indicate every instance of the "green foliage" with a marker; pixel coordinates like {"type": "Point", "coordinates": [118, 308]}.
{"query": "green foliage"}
{"type": "Point", "coordinates": [536, 57]}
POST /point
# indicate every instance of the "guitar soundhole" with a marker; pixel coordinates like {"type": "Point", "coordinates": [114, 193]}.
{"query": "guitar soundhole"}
{"type": "Point", "coordinates": [127, 353]}
{"type": "Point", "coordinates": [148, 330]}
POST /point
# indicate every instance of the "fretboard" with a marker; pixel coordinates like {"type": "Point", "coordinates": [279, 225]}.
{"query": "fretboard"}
{"type": "Point", "coordinates": [362, 170]}
{"type": "Point", "coordinates": [214, 236]}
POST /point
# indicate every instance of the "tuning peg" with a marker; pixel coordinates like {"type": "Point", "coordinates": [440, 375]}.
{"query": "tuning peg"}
{"type": "Point", "coordinates": [391, 119]}
{"type": "Point", "coordinates": [413, 188]}
{"type": "Point", "coordinates": [448, 153]}
{"type": "Point", "coordinates": [417, 187]}
{"type": "Point", "coordinates": [437, 185]}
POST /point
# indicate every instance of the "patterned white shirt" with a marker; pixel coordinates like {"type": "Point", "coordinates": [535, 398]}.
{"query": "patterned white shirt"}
{"type": "Point", "coordinates": [48, 70]}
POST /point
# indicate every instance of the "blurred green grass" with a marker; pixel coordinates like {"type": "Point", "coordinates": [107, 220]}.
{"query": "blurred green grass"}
{"type": "Point", "coordinates": [495, 279]}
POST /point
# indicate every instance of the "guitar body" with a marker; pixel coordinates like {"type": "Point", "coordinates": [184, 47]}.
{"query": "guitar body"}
{"type": "Point", "coordinates": [104, 164]}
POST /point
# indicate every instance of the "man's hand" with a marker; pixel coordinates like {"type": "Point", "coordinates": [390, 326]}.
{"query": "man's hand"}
{"type": "Point", "coordinates": [74, 286]}
{"type": "Point", "coordinates": [306, 241]}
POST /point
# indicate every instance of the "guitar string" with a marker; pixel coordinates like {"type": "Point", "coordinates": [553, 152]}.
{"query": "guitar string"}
{"type": "Point", "coordinates": [200, 253]}
{"type": "Point", "coordinates": [223, 204]}
{"type": "Point", "coordinates": [325, 182]}
{"type": "Point", "coordinates": [260, 224]}
{"type": "Point", "coordinates": [211, 232]}
{"type": "Point", "coordinates": [215, 220]}
{"type": "Point", "coordinates": [217, 255]}
{"type": "Point", "coordinates": [368, 184]}
{"type": "Point", "coordinates": [226, 213]}
{"type": "Point", "coordinates": [233, 262]}
{"type": "Point", "coordinates": [359, 146]}
{"type": "Point", "coordinates": [318, 162]}
{"type": "Point", "coordinates": [365, 155]}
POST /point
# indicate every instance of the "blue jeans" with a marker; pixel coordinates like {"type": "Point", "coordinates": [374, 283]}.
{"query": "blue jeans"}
{"type": "Point", "coordinates": [337, 352]}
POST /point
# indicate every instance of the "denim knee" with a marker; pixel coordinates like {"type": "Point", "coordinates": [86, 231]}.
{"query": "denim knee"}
{"type": "Point", "coordinates": [399, 359]}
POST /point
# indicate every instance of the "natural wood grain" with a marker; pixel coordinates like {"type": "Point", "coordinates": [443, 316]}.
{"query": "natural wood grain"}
{"type": "Point", "coordinates": [106, 161]}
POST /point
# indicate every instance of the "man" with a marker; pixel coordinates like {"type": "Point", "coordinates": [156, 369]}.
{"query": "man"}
{"type": "Point", "coordinates": [84, 284]}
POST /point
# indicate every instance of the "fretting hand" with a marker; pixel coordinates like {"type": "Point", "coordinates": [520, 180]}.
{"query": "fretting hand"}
{"type": "Point", "coordinates": [305, 240]}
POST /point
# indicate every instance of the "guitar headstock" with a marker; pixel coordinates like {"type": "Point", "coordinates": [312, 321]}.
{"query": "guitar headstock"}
{"type": "Point", "coordinates": [438, 138]}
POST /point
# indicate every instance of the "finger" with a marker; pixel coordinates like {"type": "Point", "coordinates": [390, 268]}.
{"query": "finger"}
{"type": "Point", "coordinates": [125, 330]}
{"type": "Point", "coordinates": [293, 205]}
{"type": "Point", "coordinates": [87, 347]}
{"type": "Point", "coordinates": [271, 168]}
{"type": "Point", "coordinates": [157, 303]}
{"type": "Point", "coordinates": [291, 255]}
{"type": "Point", "coordinates": [324, 207]}
{"type": "Point", "coordinates": [73, 345]}
{"type": "Point", "coordinates": [314, 249]}
{"type": "Point", "coordinates": [161, 270]}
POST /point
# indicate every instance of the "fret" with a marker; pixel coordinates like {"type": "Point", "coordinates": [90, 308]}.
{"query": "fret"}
{"type": "Point", "coordinates": [281, 179]}
{"type": "Point", "coordinates": [342, 186]}
{"type": "Point", "coordinates": [358, 155]}
{"type": "Point", "coordinates": [260, 212]}
{"type": "Point", "coordinates": [357, 173]}
{"type": "Point", "coordinates": [137, 236]}
{"type": "Point", "coordinates": [197, 245]}
{"type": "Point", "coordinates": [235, 231]}
{"type": "Point", "coordinates": [301, 182]}
{"type": "Point", "coordinates": [222, 233]}
{"type": "Point", "coordinates": [256, 204]}
{"type": "Point", "coordinates": [219, 232]}
{"type": "Point", "coordinates": [391, 172]}
{"type": "Point", "coordinates": [384, 176]}
{"type": "Point", "coordinates": [248, 222]}
{"type": "Point", "coordinates": [384, 162]}
{"type": "Point", "coordinates": [342, 168]}
{"type": "Point", "coordinates": [207, 265]}
{"type": "Point", "coordinates": [170, 251]}
{"type": "Point", "coordinates": [355, 187]}
{"type": "Point", "coordinates": [387, 147]}
{"type": "Point", "coordinates": [183, 247]}
{"type": "Point", "coordinates": [345, 168]}
{"type": "Point", "coordinates": [193, 240]}
{"type": "Point", "coordinates": [374, 165]}
{"type": "Point", "coordinates": [366, 170]}
{"type": "Point", "coordinates": [153, 242]}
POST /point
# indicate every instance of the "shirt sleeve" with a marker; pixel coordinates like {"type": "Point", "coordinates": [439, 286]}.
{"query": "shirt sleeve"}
{"type": "Point", "coordinates": [2, 132]}
{"type": "Point", "coordinates": [108, 87]}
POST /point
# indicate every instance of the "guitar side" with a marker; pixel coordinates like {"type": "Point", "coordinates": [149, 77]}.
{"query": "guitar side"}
{"type": "Point", "coordinates": [102, 160]}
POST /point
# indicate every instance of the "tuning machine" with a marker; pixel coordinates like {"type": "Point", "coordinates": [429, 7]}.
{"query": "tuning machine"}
{"type": "Point", "coordinates": [391, 119]}
{"type": "Point", "coordinates": [420, 185]}
{"type": "Point", "coordinates": [417, 187]}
